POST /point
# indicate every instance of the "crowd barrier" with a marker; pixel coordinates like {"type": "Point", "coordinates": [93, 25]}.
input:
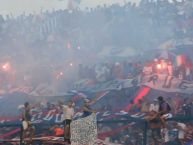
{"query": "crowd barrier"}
{"type": "Point", "coordinates": [136, 129]}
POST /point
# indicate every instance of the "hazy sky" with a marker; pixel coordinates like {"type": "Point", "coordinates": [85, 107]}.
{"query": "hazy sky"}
{"type": "Point", "coordinates": [16, 7]}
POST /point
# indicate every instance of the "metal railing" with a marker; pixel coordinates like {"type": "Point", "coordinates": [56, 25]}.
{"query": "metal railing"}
{"type": "Point", "coordinates": [143, 123]}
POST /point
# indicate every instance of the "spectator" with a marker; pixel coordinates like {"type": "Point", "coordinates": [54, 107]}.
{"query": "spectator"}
{"type": "Point", "coordinates": [156, 124]}
{"type": "Point", "coordinates": [87, 109]}
{"type": "Point", "coordinates": [68, 116]}
{"type": "Point", "coordinates": [182, 129]}
{"type": "Point", "coordinates": [164, 108]}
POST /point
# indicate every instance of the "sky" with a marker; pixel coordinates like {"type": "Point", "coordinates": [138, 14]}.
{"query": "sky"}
{"type": "Point", "coordinates": [16, 7]}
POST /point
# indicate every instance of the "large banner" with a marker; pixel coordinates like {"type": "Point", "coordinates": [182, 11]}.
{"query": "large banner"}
{"type": "Point", "coordinates": [84, 131]}
{"type": "Point", "coordinates": [109, 85]}
{"type": "Point", "coordinates": [168, 83]}
{"type": "Point", "coordinates": [159, 82]}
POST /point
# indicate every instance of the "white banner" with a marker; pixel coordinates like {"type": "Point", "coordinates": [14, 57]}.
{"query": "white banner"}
{"type": "Point", "coordinates": [168, 84]}
{"type": "Point", "coordinates": [84, 131]}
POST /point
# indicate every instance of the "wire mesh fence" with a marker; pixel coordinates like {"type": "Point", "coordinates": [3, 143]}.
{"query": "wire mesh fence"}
{"type": "Point", "coordinates": [122, 131]}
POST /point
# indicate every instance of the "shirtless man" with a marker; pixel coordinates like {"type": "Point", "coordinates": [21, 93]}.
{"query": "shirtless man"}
{"type": "Point", "coordinates": [26, 122]}
{"type": "Point", "coordinates": [155, 123]}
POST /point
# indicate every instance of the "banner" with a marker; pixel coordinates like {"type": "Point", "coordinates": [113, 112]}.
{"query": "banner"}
{"type": "Point", "coordinates": [84, 131]}
{"type": "Point", "coordinates": [110, 85]}
{"type": "Point", "coordinates": [168, 83]}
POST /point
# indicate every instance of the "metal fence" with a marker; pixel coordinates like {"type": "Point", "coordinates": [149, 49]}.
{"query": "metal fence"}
{"type": "Point", "coordinates": [125, 131]}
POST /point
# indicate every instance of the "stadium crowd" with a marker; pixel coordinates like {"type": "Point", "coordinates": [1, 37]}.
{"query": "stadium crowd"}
{"type": "Point", "coordinates": [174, 131]}
{"type": "Point", "coordinates": [63, 45]}
{"type": "Point", "coordinates": [72, 34]}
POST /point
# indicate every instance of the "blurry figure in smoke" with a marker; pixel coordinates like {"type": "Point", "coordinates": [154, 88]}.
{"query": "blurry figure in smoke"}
{"type": "Point", "coordinates": [102, 72]}
{"type": "Point", "coordinates": [155, 70]}
{"type": "Point", "coordinates": [155, 66]}
{"type": "Point", "coordinates": [87, 110]}
{"type": "Point", "coordinates": [81, 72]}
{"type": "Point", "coordinates": [118, 71]}
{"type": "Point", "coordinates": [163, 69]}
{"type": "Point", "coordinates": [167, 81]}
{"type": "Point", "coordinates": [147, 70]}
{"type": "Point", "coordinates": [187, 107]}
{"type": "Point", "coordinates": [26, 122]}
{"type": "Point", "coordinates": [153, 79]}
{"type": "Point", "coordinates": [169, 77]}
{"type": "Point", "coordinates": [170, 68]}
{"type": "Point", "coordinates": [182, 72]}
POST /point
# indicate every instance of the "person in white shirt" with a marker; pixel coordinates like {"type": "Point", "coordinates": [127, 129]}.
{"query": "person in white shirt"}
{"type": "Point", "coordinates": [181, 131]}
{"type": "Point", "coordinates": [68, 113]}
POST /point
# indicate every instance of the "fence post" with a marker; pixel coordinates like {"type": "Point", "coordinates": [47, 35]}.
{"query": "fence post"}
{"type": "Point", "coordinates": [145, 133]}
{"type": "Point", "coordinates": [21, 135]}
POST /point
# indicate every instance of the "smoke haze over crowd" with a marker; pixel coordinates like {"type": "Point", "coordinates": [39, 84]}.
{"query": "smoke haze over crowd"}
{"type": "Point", "coordinates": [17, 7]}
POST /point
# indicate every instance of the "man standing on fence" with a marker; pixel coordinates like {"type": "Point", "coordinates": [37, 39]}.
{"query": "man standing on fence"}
{"type": "Point", "coordinates": [26, 123]}
{"type": "Point", "coordinates": [68, 113]}
{"type": "Point", "coordinates": [164, 108]}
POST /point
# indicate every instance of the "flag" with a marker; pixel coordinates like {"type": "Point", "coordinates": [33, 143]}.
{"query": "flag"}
{"type": "Point", "coordinates": [84, 131]}
{"type": "Point", "coordinates": [99, 96]}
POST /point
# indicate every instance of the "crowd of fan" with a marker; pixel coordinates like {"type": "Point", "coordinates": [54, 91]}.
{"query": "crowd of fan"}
{"type": "Point", "coordinates": [74, 34]}
{"type": "Point", "coordinates": [174, 133]}
{"type": "Point", "coordinates": [50, 37]}
{"type": "Point", "coordinates": [181, 106]}
{"type": "Point", "coordinates": [110, 71]}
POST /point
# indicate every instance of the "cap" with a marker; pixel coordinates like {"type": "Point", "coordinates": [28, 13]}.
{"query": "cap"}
{"type": "Point", "coordinates": [160, 98]}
